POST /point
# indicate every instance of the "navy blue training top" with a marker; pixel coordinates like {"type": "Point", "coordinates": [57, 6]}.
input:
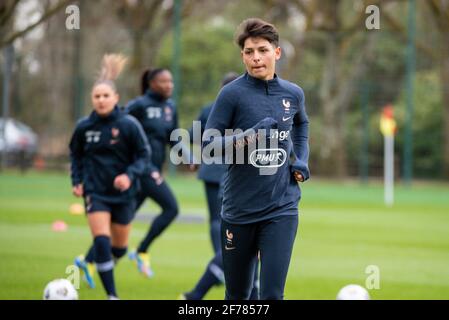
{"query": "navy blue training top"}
{"type": "Point", "coordinates": [212, 173]}
{"type": "Point", "coordinates": [101, 148]}
{"type": "Point", "coordinates": [158, 118]}
{"type": "Point", "coordinates": [248, 196]}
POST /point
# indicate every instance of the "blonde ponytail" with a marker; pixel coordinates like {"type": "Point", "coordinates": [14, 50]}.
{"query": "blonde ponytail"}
{"type": "Point", "coordinates": [112, 66]}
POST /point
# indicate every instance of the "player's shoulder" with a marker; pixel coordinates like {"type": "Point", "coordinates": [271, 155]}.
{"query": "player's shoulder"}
{"type": "Point", "coordinates": [83, 123]}
{"type": "Point", "coordinates": [233, 88]}
{"type": "Point", "coordinates": [136, 102]}
{"type": "Point", "coordinates": [128, 120]}
{"type": "Point", "coordinates": [292, 88]}
{"type": "Point", "coordinates": [236, 84]}
{"type": "Point", "coordinates": [205, 110]}
{"type": "Point", "coordinates": [170, 103]}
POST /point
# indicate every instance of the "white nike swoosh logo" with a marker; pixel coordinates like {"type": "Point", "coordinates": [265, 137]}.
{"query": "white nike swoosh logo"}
{"type": "Point", "coordinates": [229, 248]}
{"type": "Point", "coordinates": [285, 119]}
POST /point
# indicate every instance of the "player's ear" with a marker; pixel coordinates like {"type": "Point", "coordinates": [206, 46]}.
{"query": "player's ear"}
{"type": "Point", "coordinates": [278, 53]}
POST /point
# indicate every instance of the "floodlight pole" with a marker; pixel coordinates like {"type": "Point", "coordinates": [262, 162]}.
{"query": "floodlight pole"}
{"type": "Point", "coordinates": [364, 152]}
{"type": "Point", "coordinates": [77, 79]}
{"type": "Point", "coordinates": [175, 61]}
{"type": "Point", "coordinates": [7, 69]}
{"type": "Point", "coordinates": [176, 49]}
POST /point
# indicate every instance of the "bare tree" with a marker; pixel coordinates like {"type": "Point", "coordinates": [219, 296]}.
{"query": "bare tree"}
{"type": "Point", "coordinates": [148, 21]}
{"type": "Point", "coordinates": [324, 23]}
{"type": "Point", "coordinates": [440, 12]}
{"type": "Point", "coordinates": [7, 9]}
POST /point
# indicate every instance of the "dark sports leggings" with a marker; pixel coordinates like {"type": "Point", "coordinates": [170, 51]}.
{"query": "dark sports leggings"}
{"type": "Point", "coordinates": [216, 264]}
{"type": "Point", "coordinates": [164, 197]}
{"type": "Point", "coordinates": [241, 243]}
{"type": "Point", "coordinates": [214, 205]}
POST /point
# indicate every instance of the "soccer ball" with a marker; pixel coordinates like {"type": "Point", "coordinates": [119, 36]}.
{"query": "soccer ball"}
{"type": "Point", "coordinates": [60, 289]}
{"type": "Point", "coordinates": [353, 292]}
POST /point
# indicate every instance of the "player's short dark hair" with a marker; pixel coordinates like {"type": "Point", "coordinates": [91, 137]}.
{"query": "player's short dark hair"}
{"type": "Point", "coordinates": [255, 27]}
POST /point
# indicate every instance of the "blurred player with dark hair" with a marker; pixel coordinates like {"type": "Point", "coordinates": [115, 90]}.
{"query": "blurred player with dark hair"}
{"type": "Point", "coordinates": [157, 113]}
{"type": "Point", "coordinates": [212, 175]}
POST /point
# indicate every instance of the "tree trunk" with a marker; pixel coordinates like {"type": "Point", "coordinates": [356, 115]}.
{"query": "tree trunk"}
{"type": "Point", "coordinates": [138, 52]}
{"type": "Point", "coordinates": [332, 152]}
{"type": "Point", "coordinates": [7, 8]}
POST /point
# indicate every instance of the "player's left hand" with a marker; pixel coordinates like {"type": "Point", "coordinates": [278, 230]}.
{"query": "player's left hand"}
{"type": "Point", "coordinates": [193, 167]}
{"type": "Point", "coordinates": [298, 176]}
{"type": "Point", "coordinates": [122, 182]}
{"type": "Point", "coordinates": [156, 176]}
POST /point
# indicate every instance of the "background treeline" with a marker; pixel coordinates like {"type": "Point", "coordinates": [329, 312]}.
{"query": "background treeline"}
{"type": "Point", "coordinates": [348, 73]}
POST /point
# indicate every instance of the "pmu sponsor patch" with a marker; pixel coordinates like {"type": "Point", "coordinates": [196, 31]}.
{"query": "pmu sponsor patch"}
{"type": "Point", "coordinates": [268, 158]}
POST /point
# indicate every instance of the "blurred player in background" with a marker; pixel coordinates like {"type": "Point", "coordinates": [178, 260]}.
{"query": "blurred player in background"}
{"type": "Point", "coordinates": [212, 175]}
{"type": "Point", "coordinates": [158, 115]}
{"type": "Point", "coordinates": [109, 152]}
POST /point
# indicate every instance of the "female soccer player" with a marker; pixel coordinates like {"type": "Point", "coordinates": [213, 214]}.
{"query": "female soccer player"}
{"type": "Point", "coordinates": [213, 175]}
{"type": "Point", "coordinates": [158, 116]}
{"type": "Point", "coordinates": [261, 193]}
{"type": "Point", "coordinates": [109, 152]}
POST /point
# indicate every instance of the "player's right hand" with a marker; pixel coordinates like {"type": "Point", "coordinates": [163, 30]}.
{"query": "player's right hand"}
{"type": "Point", "coordinates": [78, 190]}
{"type": "Point", "coordinates": [122, 182]}
{"type": "Point", "coordinates": [193, 167]}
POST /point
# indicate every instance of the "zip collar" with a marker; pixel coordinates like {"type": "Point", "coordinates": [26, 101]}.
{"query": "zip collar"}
{"type": "Point", "coordinates": [267, 85]}
{"type": "Point", "coordinates": [153, 95]}
{"type": "Point", "coordinates": [111, 117]}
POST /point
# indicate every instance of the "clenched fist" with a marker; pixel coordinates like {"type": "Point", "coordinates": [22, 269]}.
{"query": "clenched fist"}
{"type": "Point", "coordinates": [122, 182]}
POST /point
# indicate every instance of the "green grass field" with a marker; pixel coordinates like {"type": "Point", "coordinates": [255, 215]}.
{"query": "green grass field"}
{"type": "Point", "coordinates": [344, 228]}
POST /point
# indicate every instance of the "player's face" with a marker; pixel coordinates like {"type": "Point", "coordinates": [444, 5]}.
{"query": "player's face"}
{"type": "Point", "coordinates": [163, 84]}
{"type": "Point", "coordinates": [259, 57]}
{"type": "Point", "coordinates": [104, 99]}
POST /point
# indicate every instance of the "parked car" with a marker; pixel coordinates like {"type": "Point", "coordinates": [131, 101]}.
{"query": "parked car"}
{"type": "Point", "coordinates": [18, 142]}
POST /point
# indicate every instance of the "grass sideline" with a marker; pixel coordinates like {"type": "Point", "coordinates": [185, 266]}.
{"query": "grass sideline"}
{"type": "Point", "coordinates": [344, 227]}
